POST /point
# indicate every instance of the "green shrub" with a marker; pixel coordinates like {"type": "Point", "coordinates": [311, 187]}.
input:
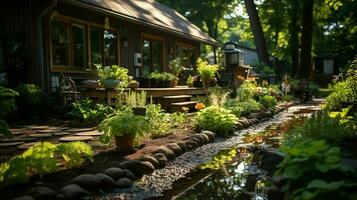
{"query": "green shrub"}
{"type": "Point", "coordinates": [29, 99]}
{"type": "Point", "coordinates": [7, 101]}
{"type": "Point", "coordinates": [218, 96]}
{"type": "Point", "coordinates": [314, 88]}
{"type": "Point", "coordinates": [246, 91]}
{"type": "Point", "coordinates": [86, 111]}
{"type": "Point", "coordinates": [287, 98]}
{"type": "Point", "coordinates": [268, 101]}
{"type": "Point", "coordinates": [159, 121]}
{"type": "Point", "coordinates": [243, 108]}
{"type": "Point", "coordinates": [312, 169]}
{"type": "Point", "coordinates": [216, 119]}
{"type": "Point", "coordinates": [44, 158]}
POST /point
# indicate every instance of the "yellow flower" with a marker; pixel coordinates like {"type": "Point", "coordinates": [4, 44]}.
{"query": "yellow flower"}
{"type": "Point", "coordinates": [199, 106]}
{"type": "Point", "coordinates": [185, 109]}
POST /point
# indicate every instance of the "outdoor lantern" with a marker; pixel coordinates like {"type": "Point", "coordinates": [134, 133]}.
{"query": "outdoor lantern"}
{"type": "Point", "coordinates": [233, 55]}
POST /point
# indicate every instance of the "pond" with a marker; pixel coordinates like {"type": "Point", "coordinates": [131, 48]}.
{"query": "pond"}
{"type": "Point", "coordinates": [234, 173]}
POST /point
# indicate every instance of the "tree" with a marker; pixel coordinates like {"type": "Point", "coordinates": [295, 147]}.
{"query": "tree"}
{"type": "Point", "coordinates": [257, 30]}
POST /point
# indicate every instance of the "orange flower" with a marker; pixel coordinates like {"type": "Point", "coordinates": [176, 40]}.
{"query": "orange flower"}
{"type": "Point", "coordinates": [199, 106]}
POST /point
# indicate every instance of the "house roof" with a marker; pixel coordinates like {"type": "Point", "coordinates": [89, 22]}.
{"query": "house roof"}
{"type": "Point", "coordinates": [150, 13]}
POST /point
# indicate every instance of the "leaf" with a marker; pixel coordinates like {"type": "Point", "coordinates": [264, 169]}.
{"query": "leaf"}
{"type": "Point", "coordinates": [320, 184]}
{"type": "Point", "coordinates": [308, 195]}
{"type": "Point", "coordinates": [332, 159]}
{"type": "Point", "coordinates": [292, 172]}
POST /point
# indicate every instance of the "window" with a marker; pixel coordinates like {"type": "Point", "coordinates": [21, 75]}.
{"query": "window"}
{"type": "Point", "coordinates": [187, 54]}
{"type": "Point", "coordinates": [152, 50]}
{"type": "Point", "coordinates": [77, 46]}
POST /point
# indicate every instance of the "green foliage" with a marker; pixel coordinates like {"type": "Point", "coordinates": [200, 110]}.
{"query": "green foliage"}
{"type": "Point", "coordinates": [7, 101]}
{"type": "Point", "coordinates": [243, 108]}
{"type": "Point", "coordinates": [134, 99]}
{"type": "Point", "coordinates": [114, 72]}
{"type": "Point", "coordinates": [189, 81]}
{"type": "Point", "coordinates": [287, 98]}
{"type": "Point", "coordinates": [176, 67]}
{"type": "Point", "coordinates": [218, 96]}
{"type": "Point", "coordinates": [5, 129]}
{"type": "Point", "coordinates": [216, 119]}
{"type": "Point", "coordinates": [164, 76]}
{"type": "Point", "coordinates": [122, 122]}
{"type": "Point", "coordinates": [246, 91]}
{"type": "Point", "coordinates": [29, 98]}
{"type": "Point", "coordinates": [205, 70]}
{"type": "Point", "coordinates": [43, 158]}
{"type": "Point", "coordinates": [220, 159]}
{"type": "Point", "coordinates": [339, 93]}
{"type": "Point", "coordinates": [312, 170]}
{"type": "Point", "coordinates": [86, 111]}
{"type": "Point", "coordinates": [314, 88]}
{"type": "Point", "coordinates": [159, 122]}
{"type": "Point", "coordinates": [321, 127]}
{"type": "Point", "coordinates": [263, 69]}
{"type": "Point", "coordinates": [268, 101]}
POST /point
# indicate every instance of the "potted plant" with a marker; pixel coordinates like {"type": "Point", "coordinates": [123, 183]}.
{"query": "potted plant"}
{"type": "Point", "coordinates": [162, 79]}
{"type": "Point", "coordinates": [124, 127]}
{"type": "Point", "coordinates": [113, 76]}
{"type": "Point", "coordinates": [133, 84]}
{"type": "Point", "coordinates": [189, 81]}
{"type": "Point", "coordinates": [176, 69]}
{"type": "Point", "coordinates": [207, 72]}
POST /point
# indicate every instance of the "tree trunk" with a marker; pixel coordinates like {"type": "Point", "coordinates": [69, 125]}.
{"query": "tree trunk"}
{"type": "Point", "coordinates": [306, 40]}
{"type": "Point", "coordinates": [256, 27]}
{"type": "Point", "coordinates": [294, 38]}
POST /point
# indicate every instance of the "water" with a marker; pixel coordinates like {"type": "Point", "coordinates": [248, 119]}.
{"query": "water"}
{"type": "Point", "coordinates": [233, 173]}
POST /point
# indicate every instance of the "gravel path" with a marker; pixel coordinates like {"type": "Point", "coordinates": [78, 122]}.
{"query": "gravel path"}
{"type": "Point", "coordinates": [155, 184]}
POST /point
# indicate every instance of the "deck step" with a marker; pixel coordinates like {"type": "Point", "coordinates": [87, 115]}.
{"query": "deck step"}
{"type": "Point", "coordinates": [177, 96]}
{"type": "Point", "coordinates": [185, 103]}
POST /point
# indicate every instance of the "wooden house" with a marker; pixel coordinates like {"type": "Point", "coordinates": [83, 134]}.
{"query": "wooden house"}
{"type": "Point", "coordinates": [41, 39]}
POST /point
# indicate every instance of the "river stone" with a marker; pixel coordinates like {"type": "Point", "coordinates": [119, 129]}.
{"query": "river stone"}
{"type": "Point", "coordinates": [42, 193]}
{"type": "Point", "coordinates": [73, 192]}
{"type": "Point", "coordinates": [114, 172]}
{"type": "Point", "coordinates": [169, 154]}
{"type": "Point", "coordinates": [128, 174]}
{"type": "Point", "coordinates": [161, 158]}
{"type": "Point", "coordinates": [137, 167]}
{"type": "Point", "coordinates": [198, 141]}
{"type": "Point", "coordinates": [87, 181]}
{"type": "Point", "coordinates": [192, 144]}
{"type": "Point", "coordinates": [182, 146]}
{"type": "Point", "coordinates": [175, 148]}
{"type": "Point", "coordinates": [238, 125]}
{"type": "Point", "coordinates": [201, 140]}
{"type": "Point", "coordinates": [210, 135]}
{"type": "Point", "coordinates": [150, 159]}
{"type": "Point", "coordinates": [105, 180]}
{"type": "Point", "coordinates": [124, 183]}
{"type": "Point", "coordinates": [24, 198]}
{"type": "Point", "coordinates": [204, 137]}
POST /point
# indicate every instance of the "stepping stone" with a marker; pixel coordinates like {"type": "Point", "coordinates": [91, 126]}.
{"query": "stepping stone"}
{"type": "Point", "coordinates": [89, 133]}
{"type": "Point", "coordinates": [46, 131]}
{"type": "Point", "coordinates": [36, 127]}
{"type": "Point", "coordinates": [80, 129]}
{"type": "Point", "coordinates": [18, 132]}
{"type": "Point", "coordinates": [10, 144]}
{"type": "Point", "coordinates": [75, 138]}
{"type": "Point", "coordinates": [41, 135]}
{"type": "Point", "coordinates": [17, 140]}
{"type": "Point", "coordinates": [26, 146]}
{"type": "Point", "coordinates": [61, 133]}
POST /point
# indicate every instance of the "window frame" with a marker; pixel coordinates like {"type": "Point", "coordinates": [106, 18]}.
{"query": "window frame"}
{"type": "Point", "coordinates": [150, 37]}
{"type": "Point", "coordinates": [87, 24]}
{"type": "Point", "coordinates": [189, 46]}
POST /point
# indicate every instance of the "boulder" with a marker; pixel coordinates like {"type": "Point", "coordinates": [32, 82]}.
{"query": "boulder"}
{"type": "Point", "coordinates": [192, 144]}
{"type": "Point", "coordinates": [205, 137]}
{"type": "Point", "coordinates": [114, 172]}
{"type": "Point", "coordinates": [42, 193]}
{"type": "Point", "coordinates": [210, 135]}
{"type": "Point", "coordinates": [87, 181]}
{"type": "Point", "coordinates": [137, 167]}
{"type": "Point", "coordinates": [150, 159]}
{"type": "Point", "coordinates": [175, 148]}
{"type": "Point", "coordinates": [128, 174]}
{"type": "Point", "coordinates": [24, 198]}
{"type": "Point", "coordinates": [161, 158]}
{"type": "Point", "coordinates": [169, 154]}
{"type": "Point", "coordinates": [105, 181]}
{"type": "Point", "coordinates": [182, 146]}
{"type": "Point", "coordinates": [244, 121]}
{"type": "Point", "coordinates": [238, 125]}
{"type": "Point", "coordinates": [73, 192]}
{"type": "Point", "coordinates": [200, 139]}
{"type": "Point", "coordinates": [124, 183]}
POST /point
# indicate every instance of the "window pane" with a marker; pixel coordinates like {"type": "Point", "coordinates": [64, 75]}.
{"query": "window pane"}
{"type": "Point", "coordinates": [110, 48]}
{"type": "Point", "coordinates": [60, 42]}
{"type": "Point", "coordinates": [146, 57]}
{"type": "Point", "coordinates": [96, 38]}
{"type": "Point", "coordinates": [156, 56]}
{"type": "Point", "coordinates": [79, 46]}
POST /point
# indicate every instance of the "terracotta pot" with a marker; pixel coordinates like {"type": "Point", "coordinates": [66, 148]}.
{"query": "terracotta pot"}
{"type": "Point", "coordinates": [133, 85]}
{"type": "Point", "coordinates": [125, 143]}
{"type": "Point", "coordinates": [174, 82]}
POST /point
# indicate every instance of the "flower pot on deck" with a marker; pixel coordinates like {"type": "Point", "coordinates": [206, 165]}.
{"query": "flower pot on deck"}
{"type": "Point", "coordinates": [133, 85]}
{"type": "Point", "coordinates": [110, 83]}
{"type": "Point", "coordinates": [125, 143]}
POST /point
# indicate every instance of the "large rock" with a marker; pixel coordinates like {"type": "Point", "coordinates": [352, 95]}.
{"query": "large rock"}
{"type": "Point", "coordinates": [192, 144]}
{"type": "Point", "coordinates": [130, 175]}
{"type": "Point", "coordinates": [238, 125]}
{"type": "Point", "coordinates": [73, 192]}
{"type": "Point", "coordinates": [161, 158]}
{"type": "Point", "coordinates": [175, 148]}
{"type": "Point", "coordinates": [200, 139]}
{"type": "Point", "coordinates": [24, 198]}
{"type": "Point", "coordinates": [210, 135]}
{"type": "Point", "coordinates": [124, 183]}
{"type": "Point", "coordinates": [42, 193]}
{"type": "Point", "coordinates": [169, 154]}
{"type": "Point", "coordinates": [150, 159]}
{"type": "Point", "coordinates": [182, 146]}
{"type": "Point", "coordinates": [137, 167]}
{"type": "Point", "coordinates": [105, 181]}
{"type": "Point", "coordinates": [204, 137]}
{"type": "Point", "coordinates": [114, 172]}
{"type": "Point", "coordinates": [87, 181]}
{"type": "Point", "coordinates": [244, 121]}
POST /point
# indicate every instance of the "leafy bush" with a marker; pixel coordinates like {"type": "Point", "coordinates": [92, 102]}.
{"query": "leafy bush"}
{"type": "Point", "coordinates": [312, 170]}
{"type": "Point", "coordinates": [216, 119]}
{"type": "Point", "coordinates": [268, 101]}
{"type": "Point", "coordinates": [218, 96]}
{"type": "Point", "coordinates": [243, 108]}
{"type": "Point", "coordinates": [86, 111]}
{"type": "Point", "coordinates": [246, 91]}
{"type": "Point", "coordinates": [314, 88]}
{"type": "Point", "coordinates": [114, 72]}
{"type": "Point", "coordinates": [164, 76]}
{"type": "Point", "coordinates": [7, 101]}
{"type": "Point", "coordinates": [29, 98]}
{"type": "Point", "coordinates": [321, 127]}
{"type": "Point", "coordinates": [205, 70]}
{"type": "Point", "coordinates": [134, 99]}
{"type": "Point", "coordinates": [159, 121]}
{"type": "Point", "coordinates": [44, 158]}
{"type": "Point", "coordinates": [287, 98]}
